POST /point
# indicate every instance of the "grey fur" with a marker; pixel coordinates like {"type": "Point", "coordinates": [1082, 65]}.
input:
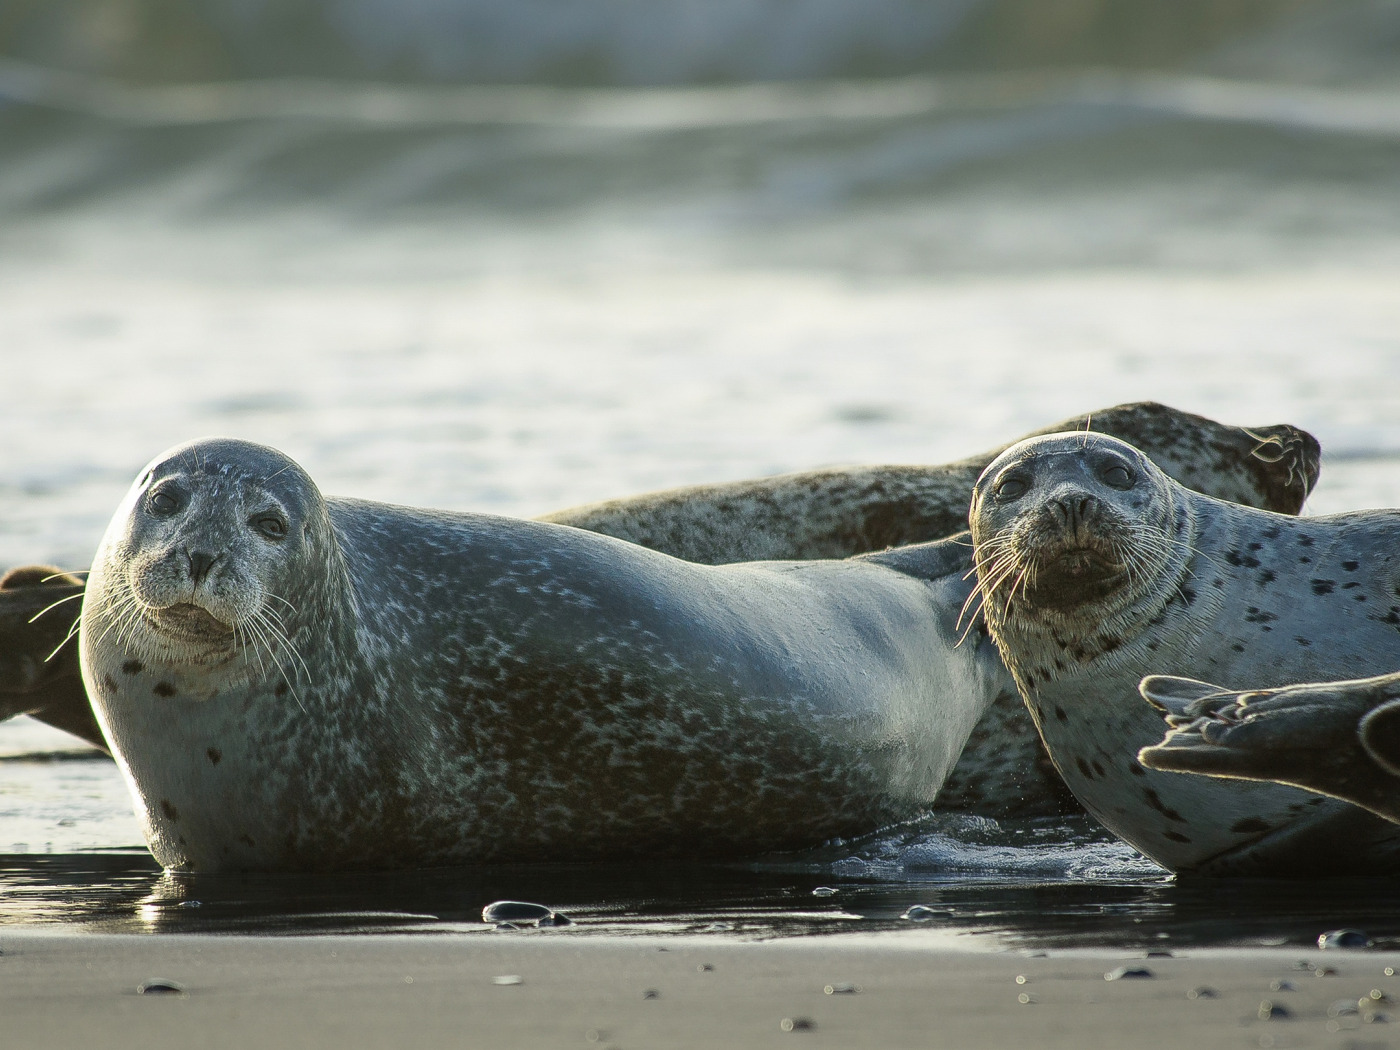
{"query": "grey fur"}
{"type": "Point", "coordinates": [413, 687]}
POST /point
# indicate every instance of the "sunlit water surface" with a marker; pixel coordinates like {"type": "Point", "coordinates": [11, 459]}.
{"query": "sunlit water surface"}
{"type": "Point", "coordinates": [426, 306]}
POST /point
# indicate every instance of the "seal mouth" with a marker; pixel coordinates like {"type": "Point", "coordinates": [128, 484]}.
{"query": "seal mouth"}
{"type": "Point", "coordinates": [189, 622]}
{"type": "Point", "coordinates": [1074, 576]}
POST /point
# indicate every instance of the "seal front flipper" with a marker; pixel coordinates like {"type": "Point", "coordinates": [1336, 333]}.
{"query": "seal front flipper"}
{"type": "Point", "coordinates": [1337, 739]}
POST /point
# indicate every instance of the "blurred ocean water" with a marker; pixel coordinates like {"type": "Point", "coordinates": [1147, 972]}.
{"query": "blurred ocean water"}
{"type": "Point", "coordinates": [511, 257]}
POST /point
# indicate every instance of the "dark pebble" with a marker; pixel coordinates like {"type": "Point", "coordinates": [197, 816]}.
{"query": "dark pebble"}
{"type": "Point", "coordinates": [1279, 985]}
{"type": "Point", "coordinates": [1128, 973]}
{"type": "Point", "coordinates": [797, 1024]}
{"type": "Point", "coordinates": [515, 911]}
{"type": "Point", "coordinates": [1272, 1011]}
{"type": "Point", "coordinates": [1202, 992]}
{"type": "Point", "coordinates": [651, 993]}
{"type": "Point", "coordinates": [1343, 939]}
{"type": "Point", "coordinates": [160, 986]}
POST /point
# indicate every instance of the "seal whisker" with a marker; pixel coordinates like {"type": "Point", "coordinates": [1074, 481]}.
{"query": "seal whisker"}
{"type": "Point", "coordinates": [55, 605]}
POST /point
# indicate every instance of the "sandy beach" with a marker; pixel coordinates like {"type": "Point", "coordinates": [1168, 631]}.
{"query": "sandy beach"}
{"type": "Point", "coordinates": [559, 990]}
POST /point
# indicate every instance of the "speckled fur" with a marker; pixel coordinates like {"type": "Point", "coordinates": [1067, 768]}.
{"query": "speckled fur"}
{"type": "Point", "coordinates": [1340, 739]}
{"type": "Point", "coordinates": [1226, 592]}
{"type": "Point", "coordinates": [473, 688]}
{"type": "Point", "coordinates": [839, 512]}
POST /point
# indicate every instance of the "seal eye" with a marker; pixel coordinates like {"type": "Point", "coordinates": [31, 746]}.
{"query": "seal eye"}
{"type": "Point", "coordinates": [1011, 488]}
{"type": "Point", "coordinates": [1118, 476]}
{"type": "Point", "coordinates": [163, 504]}
{"type": "Point", "coordinates": [271, 526]}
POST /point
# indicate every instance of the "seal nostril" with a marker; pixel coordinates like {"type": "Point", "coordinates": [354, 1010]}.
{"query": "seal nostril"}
{"type": "Point", "coordinates": [200, 564]}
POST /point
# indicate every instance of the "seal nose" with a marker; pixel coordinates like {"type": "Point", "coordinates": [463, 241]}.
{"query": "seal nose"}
{"type": "Point", "coordinates": [200, 564]}
{"type": "Point", "coordinates": [1073, 510]}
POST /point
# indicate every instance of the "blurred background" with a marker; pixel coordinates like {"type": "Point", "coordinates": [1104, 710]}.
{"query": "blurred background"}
{"type": "Point", "coordinates": [512, 255]}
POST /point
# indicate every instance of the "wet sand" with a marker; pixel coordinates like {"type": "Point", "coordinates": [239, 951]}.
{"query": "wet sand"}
{"type": "Point", "coordinates": [66, 989]}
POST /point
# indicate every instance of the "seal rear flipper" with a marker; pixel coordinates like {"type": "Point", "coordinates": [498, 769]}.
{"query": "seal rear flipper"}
{"type": "Point", "coordinates": [1336, 839]}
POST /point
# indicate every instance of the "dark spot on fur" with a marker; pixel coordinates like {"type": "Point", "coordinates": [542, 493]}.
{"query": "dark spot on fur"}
{"type": "Point", "coordinates": [109, 684]}
{"type": "Point", "coordinates": [1358, 598]}
{"type": "Point", "coordinates": [1136, 770]}
{"type": "Point", "coordinates": [1110, 643]}
{"type": "Point", "coordinates": [1256, 615]}
{"type": "Point", "coordinates": [1271, 533]}
{"type": "Point", "coordinates": [247, 840]}
{"type": "Point", "coordinates": [1098, 768]}
{"type": "Point", "coordinates": [1084, 768]}
{"type": "Point", "coordinates": [214, 755]}
{"type": "Point", "coordinates": [1060, 713]}
{"type": "Point", "coordinates": [1323, 586]}
{"type": "Point", "coordinates": [1351, 566]}
{"type": "Point", "coordinates": [1305, 541]}
{"type": "Point", "coordinates": [1175, 837]}
{"type": "Point", "coordinates": [1305, 560]}
{"type": "Point", "coordinates": [1256, 546]}
{"type": "Point", "coordinates": [1236, 558]}
{"type": "Point", "coordinates": [281, 689]}
{"type": "Point", "coordinates": [1217, 582]}
{"type": "Point", "coordinates": [1155, 801]}
{"type": "Point", "coordinates": [1267, 576]}
{"type": "Point", "coordinates": [1249, 824]}
{"type": "Point", "coordinates": [1187, 594]}
{"type": "Point", "coordinates": [1349, 586]}
{"type": "Point", "coordinates": [132, 667]}
{"type": "Point", "coordinates": [171, 813]}
{"type": "Point", "coordinates": [1302, 641]}
{"type": "Point", "coordinates": [1238, 647]}
{"type": "Point", "coordinates": [164, 689]}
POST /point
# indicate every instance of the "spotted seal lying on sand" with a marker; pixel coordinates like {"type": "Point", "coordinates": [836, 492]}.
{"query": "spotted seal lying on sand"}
{"type": "Point", "coordinates": [1340, 739]}
{"type": "Point", "coordinates": [843, 512]}
{"type": "Point", "coordinates": [1094, 566]}
{"type": "Point", "coordinates": [297, 682]}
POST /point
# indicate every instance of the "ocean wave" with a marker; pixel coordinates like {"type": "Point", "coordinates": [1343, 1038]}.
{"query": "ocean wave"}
{"type": "Point", "coordinates": [1362, 112]}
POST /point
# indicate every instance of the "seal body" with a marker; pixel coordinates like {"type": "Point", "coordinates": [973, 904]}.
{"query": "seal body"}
{"type": "Point", "coordinates": [832, 513]}
{"type": "Point", "coordinates": [295, 682]}
{"type": "Point", "coordinates": [840, 512]}
{"type": "Point", "coordinates": [39, 673]}
{"type": "Point", "coordinates": [1094, 568]}
{"type": "Point", "coordinates": [1340, 739]}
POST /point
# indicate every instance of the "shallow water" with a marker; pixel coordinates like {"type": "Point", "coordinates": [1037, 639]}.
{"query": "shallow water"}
{"type": "Point", "coordinates": [463, 290]}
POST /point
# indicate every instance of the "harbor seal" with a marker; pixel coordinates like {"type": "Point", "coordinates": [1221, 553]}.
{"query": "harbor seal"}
{"type": "Point", "coordinates": [296, 682]}
{"type": "Point", "coordinates": [842, 511]}
{"type": "Point", "coordinates": [39, 673]}
{"type": "Point", "coordinates": [1094, 567]}
{"type": "Point", "coordinates": [838, 513]}
{"type": "Point", "coordinates": [1340, 739]}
